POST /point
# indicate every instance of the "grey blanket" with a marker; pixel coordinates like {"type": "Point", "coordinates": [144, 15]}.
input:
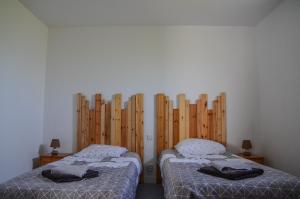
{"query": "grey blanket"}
{"type": "Point", "coordinates": [114, 183]}
{"type": "Point", "coordinates": [182, 180]}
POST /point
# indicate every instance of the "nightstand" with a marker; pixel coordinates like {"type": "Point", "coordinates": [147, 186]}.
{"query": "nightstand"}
{"type": "Point", "coordinates": [48, 158]}
{"type": "Point", "coordinates": [255, 158]}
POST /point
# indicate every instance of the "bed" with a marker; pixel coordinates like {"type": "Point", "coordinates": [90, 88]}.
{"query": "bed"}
{"type": "Point", "coordinates": [105, 126]}
{"type": "Point", "coordinates": [115, 180]}
{"type": "Point", "coordinates": [181, 179]}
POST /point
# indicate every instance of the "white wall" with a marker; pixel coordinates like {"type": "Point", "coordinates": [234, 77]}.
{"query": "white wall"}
{"type": "Point", "coordinates": [278, 58]}
{"type": "Point", "coordinates": [23, 41]}
{"type": "Point", "coordinates": [150, 59]}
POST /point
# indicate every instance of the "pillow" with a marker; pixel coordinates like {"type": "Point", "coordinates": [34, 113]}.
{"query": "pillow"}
{"type": "Point", "coordinates": [197, 147]}
{"type": "Point", "coordinates": [100, 151]}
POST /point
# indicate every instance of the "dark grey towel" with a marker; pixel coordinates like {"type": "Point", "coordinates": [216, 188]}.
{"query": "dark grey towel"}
{"type": "Point", "coordinates": [232, 174]}
{"type": "Point", "coordinates": [68, 178]}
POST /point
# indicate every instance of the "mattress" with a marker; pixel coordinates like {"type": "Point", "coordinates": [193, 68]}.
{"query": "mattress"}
{"type": "Point", "coordinates": [116, 180]}
{"type": "Point", "coordinates": [181, 179]}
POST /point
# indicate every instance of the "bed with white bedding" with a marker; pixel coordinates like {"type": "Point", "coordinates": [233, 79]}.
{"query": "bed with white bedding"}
{"type": "Point", "coordinates": [181, 179]}
{"type": "Point", "coordinates": [118, 179]}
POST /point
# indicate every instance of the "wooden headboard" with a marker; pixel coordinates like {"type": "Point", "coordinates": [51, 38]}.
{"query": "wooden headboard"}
{"type": "Point", "coordinates": [108, 123]}
{"type": "Point", "coordinates": [189, 121]}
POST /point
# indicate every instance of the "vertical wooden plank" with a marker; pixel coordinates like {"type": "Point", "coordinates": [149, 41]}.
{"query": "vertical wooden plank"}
{"type": "Point", "coordinates": [92, 127]}
{"type": "Point", "coordinates": [187, 119]}
{"type": "Point", "coordinates": [166, 126]}
{"type": "Point", "coordinates": [123, 127]}
{"type": "Point", "coordinates": [87, 132]}
{"type": "Point", "coordinates": [160, 128]}
{"type": "Point", "coordinates": [170, 125]}
{"type": "Point", "coordinates": [193, 120]}
{"type": "Point", "coordinates": [138, 124]}
{"type": "Point", "coordinates": [160, 122]}
{"type": "Point", "coordinates": [198, 123]}
{"type": "Point", "coordinates": [79, 110]}
{"type": "Point", "coordinates": [83, 121]}
{"type": "Point", "coordinates": [203, 118]}
{"type": "Point", "coordinates": [118, 112]}
{"type": "Point", "coordinates": [113, 121]}
{"type": "Point", "coordinates": [223, 118]}
{"type": "Point", "coordinates": [218, 121]}
{"type": "Point", "coordinates": [182, 116]}
{"type": "Point", "coordinates": [210, 124]}
{"type": "Point", "coordinates": [97, 119]}
{"type": "Point", "coordinates": [129, 116]}
{"type": "Point", "coordinates": [102, 124]}
{"type": "Point", "coordinates": [142, 128]}
{"type": "Point", "coordinates": [214, 124]}
{"type": "Point", "coordinates": [175, 126]}
{"type": "Point", "coordinates": [107, 122]}
{"type": "Point", "coordinates": [133, 107]}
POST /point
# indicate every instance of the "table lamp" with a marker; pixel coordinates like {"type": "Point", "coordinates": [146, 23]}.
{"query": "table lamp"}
{"type": "Point", "coordinates": [54, 144]}
{"type": "Point", "coordinates": [246, 146]}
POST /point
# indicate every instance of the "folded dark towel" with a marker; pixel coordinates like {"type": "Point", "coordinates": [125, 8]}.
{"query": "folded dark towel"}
{"type": "Point", "coordinates": [232, 174]}
{"type": "Point", "coordinates": [68, 178]}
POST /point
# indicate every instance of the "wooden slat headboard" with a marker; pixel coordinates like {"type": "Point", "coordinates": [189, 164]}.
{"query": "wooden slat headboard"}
{"type": "Point", "coordinates": [108, 123]}
{"type": "Point", "coordinates": [189, 121]}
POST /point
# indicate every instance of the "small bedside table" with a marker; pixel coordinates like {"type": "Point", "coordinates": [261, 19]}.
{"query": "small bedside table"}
{"type": "Point", "coordinates": [255, 158]}
{"type": "Point", "coordinates": [48, 158]}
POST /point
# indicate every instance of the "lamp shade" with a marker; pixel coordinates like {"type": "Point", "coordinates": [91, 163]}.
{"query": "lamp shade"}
{"type": "Point", "coordinates": [246, 144]}
{"type": "Point", "coordinates": [55, 143]}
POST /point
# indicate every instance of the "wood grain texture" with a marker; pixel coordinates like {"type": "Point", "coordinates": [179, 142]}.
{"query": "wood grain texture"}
{"type": "Point", "coordinates": [142, 127]}
{"type": "Point", "coordinates": [123, 128]}
{"type": "Point", "coordinates": [113, 122]}
{"type": "Point", "coordinates": [160, 122]}
{"type": "Point", "coordinates": [86, 134]}
{"type": "Point", "coordinates": [187, 119]}
{"type": "Point", "coordinates": [108, 123]}
{"type": "Point", "coordinates": [97, 119]}
{"type": "Point", "coordinates": [102, 125]}
{"type": "Point", "coordinates": [118, 112]}
{"type": "Point", "coordinates": [92, 127]}
{"type": "Point", "coordinates": [174, 124]}
{"type": "Point", "coordinates": [133, 127]}
{"type": "Point", "coordinates": [203, 116]}
{"type": "Point", "coordinates": [83, 120]}
{"type": "Point", "coordinates": [223, 118]}
{"type": "Point", "coordinates": [170, 125]}
{"type": "Point", "coordinates": [166, 126]}
{"type": "Point", "coordinates": [79, 129]}
{"type": "Point", "coordinates": [193, 120]}
{"type": "Point", "coordinates": [137, 123]}
{"type": "Point", "coordinates": [129, 141]}
{"type": "Point", "coordinates": [182, 115]}
{"type": "Point", "coordinates": [198, 117]}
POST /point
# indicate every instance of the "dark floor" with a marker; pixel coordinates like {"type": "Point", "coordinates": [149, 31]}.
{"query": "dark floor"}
{"type": "Point", "coordinates": [150, 191]}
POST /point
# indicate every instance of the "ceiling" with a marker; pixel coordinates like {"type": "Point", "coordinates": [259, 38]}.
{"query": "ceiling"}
{"type": "Point", "coordinates": [150, 12]}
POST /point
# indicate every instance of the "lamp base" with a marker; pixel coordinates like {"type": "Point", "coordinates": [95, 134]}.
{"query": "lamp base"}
{"type": "Point", "coordinates": [54, 152]}
{"type": "Point", "coordinates": [246, 153]}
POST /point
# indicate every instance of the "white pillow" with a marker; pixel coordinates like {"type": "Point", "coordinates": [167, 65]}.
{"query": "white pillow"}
{"type": "Point", "coordinates": [197, 147]}
{"type": "Point", "coordinates": [99, 151]}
